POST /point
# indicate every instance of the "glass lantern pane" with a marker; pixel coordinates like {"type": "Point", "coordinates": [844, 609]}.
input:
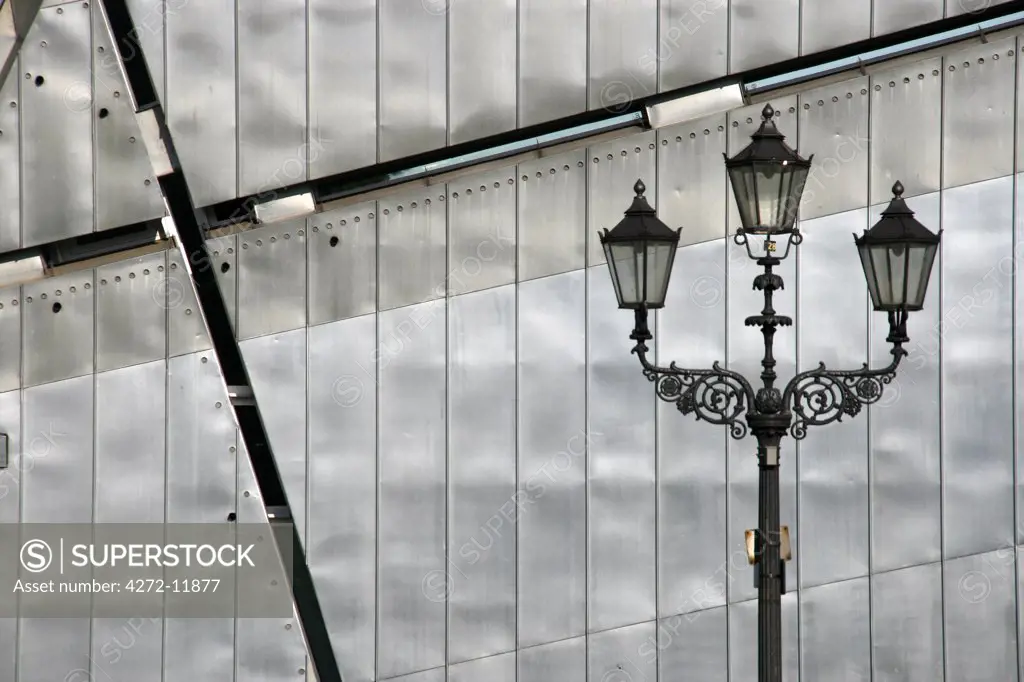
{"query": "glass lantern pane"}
{"type": "Point", "coordinates": [659, 263]}
{"type": "Point", "coordinates": [745, 193]}
{"type": "Point", "coordinates": [922, 258]}
{"type": "Point", "coordinates": [629, 266]}
{"type": "Point", "coordinates": [794, 190]}
{"type": "Point", "coordinates": [610, 259]}
{"type": "Point", "coordinates": [883, 274]}
{"type": "Point", "coordinates": [898, 261]}
{"type": "Point", "coordinates": [768, 178]}
{"type": "Point", "coordinates": [869, 275]}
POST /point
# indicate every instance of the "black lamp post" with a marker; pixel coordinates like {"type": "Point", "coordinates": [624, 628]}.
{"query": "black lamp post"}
{"type": "Point", "coordinates": [897, 254]}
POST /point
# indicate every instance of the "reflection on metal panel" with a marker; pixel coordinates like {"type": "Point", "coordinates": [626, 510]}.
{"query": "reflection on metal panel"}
{"type": "Point", "coordinates": [10, 338]}
{"type": "Point", "coordinates": [482, 66]}
{"type": "Point", "coordinates": [614, 169]}
{"type": "Point", "coordinates": [743, 640]}
{"type": "Point", "coordinates": [186, 332]}
{"type": "Point", "coordinates": [482, 231]}
{"type": "Point", "coordinates": [834, 128]}
{"type": "Point", "coordinates": [552, 59]}
{"type": "Point", "coordinates": [977, 369]}
{"type": "Point", "coordinates": [830, 23]}
{"type": "Point", "coordinates": [413, 90]}
{"type": "Point", "coordinates": [493, 669]}
{"type": "Point", "coordinates": [906, 113]}
{"type": "Point", "coordinates": [277, 369]}
{"type": "Point", "coordinates": [553, 441]}
{"type": "Point", "coordinates": [482, 474]}
{"type": "Point", "coordinates": [342, 52]}
{"type": "Point", "coordinates": [565, 661]}
{"type": "Point", "coordinates": [272, 279]}
{"type": "Point", "coordinates": [980, 616]}
{"type": "Point", "coordinates": [412, 248]}
{"type": "Point", "coordinates": [412, 579]}
{"type": "Point", "coordinates": [148, 16]}
{"type": "Point", "coordinates": [272, 149]}
{"type": "Point", "coordinates": [552, 215]}
{"type": "Point", "coordinates": [692, 45]}
{"type": "Point", "coordinates": [56, 310]}
{"type": "Point", "coordinates": [10, 512]}
{"type": "Point", "coordinates": [435, 675]}
{"type": "Point", "coordinates": [977, 112]}
{"type": "Point", "coordinates": [342, 263]}
{"type": "Point", "coordinates": [125, 191]}
{"type": "Point", "coordinates": [621, 463]}
{"type": "Point", "coordinates": [619, 654]}
{"type": "Point", "coordinates": [762, 33]}
{"type": "Point", "coordinates": [691, 454]}
{"type": "Point", "coordinates": [56, 126]}
{"type": "Point", "coordinates": [341, 531]}
{"type": "Point", "coordinates": [905, 469]}
{"type": "Point", "coordinates": [201, 92]}
{"type": "Point", "coordinates": [906, 621]}
{"type": "Point", "coordinates": [10, 168]}
{"type": "Point", "coordinates": [57, 438]}
{"type": "Point", "coordinates": [620, 37]}
{"type": "Point", "coordinates": [835, 632]}
{"type": "Point", "coordinates": [131, 312]}
{"type": "Point", "coordinates": [691, 179]}
{"type": "Point", "coordinates": [890, 17]}
{"type": "Point", "coordinates": [693, 646]}
{"type": "Point", "coordinates": [834, 462]}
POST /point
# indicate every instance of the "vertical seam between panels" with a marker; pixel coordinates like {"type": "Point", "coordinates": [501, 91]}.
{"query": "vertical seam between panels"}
{"type": "Point", "coordinates": [377, 78]}
{"type": "Point", "coordinates": [445, 300]}
{"type": "Point", "coordinates": [796, 369]}
{"type": "Point", "coordinates": [869, 450]}
{"type": "Point", "coordinates": [95, 477]}
{"type": "Point", "coordinates": [21, 473]}
{"type": "Point", "coordinates": [447, 92]}
{"type": "Point", "coordinates": [515, 419]}
{"type": "Point", "coordinates": [728, 70]}
{"type": "Point", "coordinates": [654, 406]}
{"type": "Point", "coordinates": [93, 134]}
{"type": "Point", "coordinates": [19, 108]}
{"type": "Point", "coordinates": [942, 444]}
{"type": "Point", "coordinates": [1014, 402]}
{"type": "Point", "coordinates": [307, 517]}
{"type": "Point", "coordinates": [307, 136]}
{"type": "Point", "coordinates": [376, 446]}
{"type": "Point", "coordinates": [167, 423]}
{"type": "Point", "coordinates": [238, 114]}
{"type": "Point", "coordinates": [586, 385]}
{"type": "Point", "coordinates": [725, 436]}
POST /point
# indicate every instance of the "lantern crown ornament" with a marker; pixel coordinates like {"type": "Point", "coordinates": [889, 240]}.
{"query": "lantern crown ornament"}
{"type": "Point", "coordinates": [640, 251]}
{"type": "Point", "coordinates": [768, 178]}
{"type": "Point", "coordinates": [897, 254]}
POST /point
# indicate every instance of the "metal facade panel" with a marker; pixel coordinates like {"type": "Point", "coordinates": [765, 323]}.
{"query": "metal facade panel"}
{"type": "Point", "coordinates": [552, 215]}
{"type": "Point", "coordinates": [10, 338]}
{"type": "Point", "coordinates": [980, 616]}
{"type": "Point", "coordinates": [552, 60]}
{"type": "Point", "coordinates": [126, 191]}
{"type": "Point", "coordinates": [614, 655]}
{"type": "Point", "coordinates": [131, 317]}
{"type": "Point", "coordinates": [342, 120]}
{"type": "Point", "coordinates": [57, 487]}
{"type": "Point", "coordinates": [906, 625]}
{"type": "Point", "coordinates": [691, 454]}
{"type": "Point", "coordinates": [272, 140]}
{"type": "Point", "coordinates": [977, 368]}
{"type": "Point", "coordinates": [341, 534]}
{"type": "Point", "coordinates": [905, 127]}
{"type": "Point", "coordinates": [614, 169]}
{"type": "Point", "coordinates": [834, 128]}
{"type": "Point", "coordinates": [889, 17]}
{"type": "Point", "coordinates": [1018, 338]}
{"type": "Point", "coordinates": [692, 43]}
{"type": "Point", "coordinates": [202, 97]}
{"type": "Point", "coordinates": [565, 661]}
{"type": "Point", "coordinates": [186, 332]}
{"type": "Point", "coordinates": [553, 442]}
{"type": "Point", "coordinates": [56, 126]}
{"type": "Point", "coordinates": [833, 475]}
{"type": "Point", "coordinates": [10, 167]}
{"type": "Point", "coordinates": [482, 501]}
{"type": "Point", "coordinates": [693, 646]}
{"type": "Point", "coordinates": [10, 512]}
{"type": "Point", "coordinates": [906, 518]}
{"type": "Point", "coordinates": [277, 370]}
{"type": "Point", "coordinates": [493, 669]}
{"type": "Point", "coordinates": [621, 507]}
{"type": "Point", "coordinates": [691, 179]}
{"type": "Point", "coordinates": [978, 113]}
{"type": "Point", "coordinates": [148, 16]}
{"type": "Point", "coordinates": [435, 675]}
{"type": "Point", "coordinates": [482, 231]}
{"type": "Point", "coordinates": [342, 263]}
{"type": "Point", "coordinates": [762, 33]}
{"type": "Point", "coordinates": [482, 66]}
{"type": "Point", "coordinates": [411, 503]}
{"type": "Point", "coordinates": [413, 77]}
{"type": "Point", "coordinates": [412, 254]}
{"type": "Point", "coordinates": [272, 279]}
{"type": "Point", "coordinates": [743, 639]}
{"type": "Point", "coordinates": [827, 23]}
{"type": "Point", "coordinates": [835, 632]}
{"type": "Point", "coordinates": [621, 34]}
{"type": "Point", "coordinates": [56, 310]}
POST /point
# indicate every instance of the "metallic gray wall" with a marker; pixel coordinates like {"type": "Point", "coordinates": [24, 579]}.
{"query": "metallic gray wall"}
{"type": "Point", "coordinates": [486, 487]}
{"type": "Point", "coordinates": [263, 94]}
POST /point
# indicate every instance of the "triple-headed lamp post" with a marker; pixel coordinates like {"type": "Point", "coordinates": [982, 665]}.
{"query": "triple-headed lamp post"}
{"type": "Point", "coordinates": [897, 254]}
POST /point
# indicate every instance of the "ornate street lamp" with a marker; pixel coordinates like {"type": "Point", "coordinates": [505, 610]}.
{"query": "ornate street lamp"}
{"type": "Point", "coordinates": [897, 255]}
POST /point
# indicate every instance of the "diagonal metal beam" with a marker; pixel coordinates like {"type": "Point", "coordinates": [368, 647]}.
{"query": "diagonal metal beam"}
{"type": "Point", "coordinates": [16, 17]}
{"type": "Point", "coordinates": [191, 242]}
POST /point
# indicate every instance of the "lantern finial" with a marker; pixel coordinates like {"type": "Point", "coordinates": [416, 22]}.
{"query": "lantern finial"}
{"type": "Point", "coordinates": [897, 190]}
{"type": "Point", "coordinates": [767, 112]}
{"type": "Point", "coordinates": [639, 188]}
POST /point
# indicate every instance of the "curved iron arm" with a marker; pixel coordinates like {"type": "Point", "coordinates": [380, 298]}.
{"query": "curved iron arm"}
{"type": "Point", "coordinates": [821, 396]}
{"type": "Point", "coordinates": [717, 395]}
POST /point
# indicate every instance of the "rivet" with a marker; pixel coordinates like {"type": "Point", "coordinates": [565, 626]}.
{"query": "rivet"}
{"type": "Point", "coordinates": [610, 157]}
{"type": "Point", "coordinates": [981, 60]}
{"type": "Point", "coordinates": [650, 146]}
{"type": "Point", "coordinates": [316, 229]}
{"type": "Point", "coordinates": [131, 275]}
{"type": "Point", "coordinates": [835, 99]}
{"type": "Point", "coordinates": [750, 120]}
{"type": "Point", "coordinates": [204, 360]}
{"type": "Point", "coordinates": [287, 236]}
{"type": "Point", "coordinates": [174, 266]}
{"type": "Point", "coordinates": [301, 232]}
{"type": "Point", "coordinates": [539, 174]}
{"type": "Point", "coordinates": [849, 95]}
{"type": "Point", "coordinates": [952, 68]}
{"type": "Point", "coordinates": [524, 178]}
{"type": "Point", "coordinates": [14, 302]}
{"type": "Point", "coordinates": [273, 239]}
{"type": "Point", "coordinates": [146, 182]}
{"type": "Point", "coordinates": [807, 106]}
{"type": "Point", "coordinates": [103, 281]}
{"type": "Point", "coordinates": [412, 205]}
{"type": "Point", "coordinates": [217, 404]}
{"type": "Point", "coordinates": [892, 84]}
{"type": "Point", "coordinates": [821, 103]}
{"type": "Point", "coordinates": [498, 184]}
{"type": "Point", "coordinates": [188, 311]}
{"type": "Point", "coordinates": [425, 201]}
{"type": "Point", "coordinates": [72, 290]}
{"type": "Point", "coordinates": [693, 136]}
{"type": "Point", "coordinates": [146, 271]}
{"type": "Point", "coordinates": [995, 57]}
{"type": "Point", "coordinates": [935, 72]}
{"type": "Point", "coordinates": [863, 91]}
{"type": "Point", "coordinates": [877, 88]}
{"type": "Point", "coordinates": [88, 286]}
{"type": "Point", "coordinates": [707, 132]}
{"type": "Point", "coordinates": [735, 124]}
{"type": "Point", "coordinates": [116, 94]}
{"type": "Point", "coordinates": [636, 150]}
{"type": "Point", "coordinates": [288, 626]}
{"type": "Point", "coordinates": [792, 110]}
{"type": "Point", "coordinates": [469, 191]}
{"type": "Point", "coordinates": [60, 10]}
{"type": "Point", "coordinates": [43, 296]}
{"type": "Point", "coordinates": [511, 181]}
{"type": "Point", "coordinates": [721, 128]}
{"type": "Point", "coordinates": [623, 153]}
{"type": "Point", "coordinates": [580, 164]}
{"type": "Point", "coordinates": [42, 43]}
{"type": "Point", "coordinates": [28, 300]}
{"type": "Point", "coordinates": [246, 493]}
{"type": "Point", "coordinates": [455, 195]}
{"type": "Point", "coordinates": [14, 105]}
{"type": "Point", "coordinates": [906, 79]}
{"type": "Point", "coordinates": [57, 292]}
{"type": "Point", "coordinates": [664, 142]}
{"type": "Point", "coordinates": [356, 219]}
{"type": "Point", "coordinates": [259, 242]}
{"type": "Point", "coordinates": [967, 64]}
{"type": "Point", "coordinates": [920, 76]}
{"type": "Point", "coordinates": [244, 245]}
{"type": "Point", "coordinates": [159, 268]}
